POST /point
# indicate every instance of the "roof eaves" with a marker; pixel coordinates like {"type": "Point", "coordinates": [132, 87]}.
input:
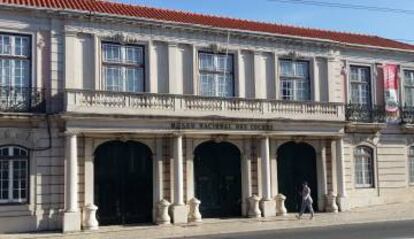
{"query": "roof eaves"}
{"type": "Point", "coordinates": [152, 20]}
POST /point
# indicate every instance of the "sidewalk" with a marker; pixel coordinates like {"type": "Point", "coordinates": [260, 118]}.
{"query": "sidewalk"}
{"type": "Point", "coordinates": [391, 212]}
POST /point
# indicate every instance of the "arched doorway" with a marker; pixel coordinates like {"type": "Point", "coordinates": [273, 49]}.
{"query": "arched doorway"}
{"type": "Point", "coordinates": [123, 183]}
{"type": "Point", "coordinates": [217, 175]}
{"type": "Point", "coordinates": [296, 163]}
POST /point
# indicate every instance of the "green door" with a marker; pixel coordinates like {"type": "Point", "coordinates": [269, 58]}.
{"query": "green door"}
{"type": "Point", "coordinates": [296, 163]}
{"type": "Point", "coordinates": [217, 176]}
{"type": "Point", "coordinates": [123, 183]}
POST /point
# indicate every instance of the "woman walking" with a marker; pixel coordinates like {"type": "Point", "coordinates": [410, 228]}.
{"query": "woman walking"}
{"type": "Point", "coordinates": [306, 201]}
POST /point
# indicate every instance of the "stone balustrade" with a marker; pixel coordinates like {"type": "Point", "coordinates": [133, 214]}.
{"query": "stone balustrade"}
{"type": "Point", "coordinates": [104, 102]}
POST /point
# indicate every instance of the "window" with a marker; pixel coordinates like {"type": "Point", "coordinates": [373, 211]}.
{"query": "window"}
{"type": "Point", "coordinates": [216, 75]}
{"type": "Point", "coordinates": [14, 170]}
{"type": "Point", "coordinates": [364, 167]}
{"type": "Point", "coordinates": [409, 87]}
{"type": "Point", "coordinates": [294, 80]}
{"type": "Point", "coordinates": [14, 67]}
{"type": "Point", "coordinates": [360, 85]}
{"type": "Point", "coordinates": [411, 165]}
{"type": "Point", "coordinates": [123, 67]}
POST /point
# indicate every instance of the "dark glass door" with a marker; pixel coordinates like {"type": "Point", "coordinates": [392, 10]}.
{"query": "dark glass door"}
{"type": "Point", "coordinates": [218, 179]}
{"type": "Point", "coordinates": [123, 183]}
{"type": "Point", "coordinates": [296, 163]}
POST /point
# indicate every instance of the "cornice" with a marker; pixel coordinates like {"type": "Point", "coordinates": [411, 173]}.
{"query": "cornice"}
{"type": "Point", "coordinates": [93, 16]}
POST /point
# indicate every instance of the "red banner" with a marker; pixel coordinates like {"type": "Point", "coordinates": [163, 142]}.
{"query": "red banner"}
{"type": "Point", "coordinates": [391, 92]}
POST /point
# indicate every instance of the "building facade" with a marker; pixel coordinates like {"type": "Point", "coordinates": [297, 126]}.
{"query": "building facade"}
{"type": "Point", "coordinates": [118, 114]}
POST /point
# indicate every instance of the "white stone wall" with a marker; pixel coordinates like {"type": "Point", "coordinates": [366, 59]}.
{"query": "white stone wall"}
{"type": "Point", "coordinates": [390, 172]}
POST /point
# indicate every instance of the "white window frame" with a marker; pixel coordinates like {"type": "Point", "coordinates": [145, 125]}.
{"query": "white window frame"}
{"type": "Point", "coordinates": [370, 84]}
{"type": "Point", "coordinates": [13, 56]}
{"type": "Point", "coordinates": [403, 87]}
{"type": "Point", "coordinates": [293, 80]}
{"type": "Point", "coordinates": [410, 165]}
{"type": "Point", "coordinates": [11, 159]}
{"type": "Point", "coordinates": [217, 72]}
{"type": "Point", "coordinates": [371, 164]}
{"type": "Point", "coordinates": [123, 66]}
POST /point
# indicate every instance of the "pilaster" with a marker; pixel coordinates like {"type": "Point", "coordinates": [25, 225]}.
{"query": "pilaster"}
{"type": "Point", "coordinates": [340, 167]}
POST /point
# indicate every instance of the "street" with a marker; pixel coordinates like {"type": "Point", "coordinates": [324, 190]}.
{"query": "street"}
{"type": "Point", "coordinates": [382, 230]}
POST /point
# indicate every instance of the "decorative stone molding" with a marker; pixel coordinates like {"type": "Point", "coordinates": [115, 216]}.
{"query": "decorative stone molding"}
{"type": "Point", "coordinates": [280, 205]}
{"type": "Point", "coordinates": [163, 218]}
{"type": "Point", "coordinates": [331, 205]}
{"type": "Point", "coordinates": [254, 209]}
{"type": "Point", "coordinates": [90, 222]}
{"type": "Point", "coordinates": [219, 138]}
{"type": "Point", "coordinates": [194, 215]}
{"type": "Point", "coordinates": [122, 38]}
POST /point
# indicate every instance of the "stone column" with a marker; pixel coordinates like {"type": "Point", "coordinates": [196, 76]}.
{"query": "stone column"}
{"type": "Point", "coordinates": [323, 177]}
{"type": "Point", "coordinates": [268, 204]}
{"type": "Point", "coordinates": [179, 209]}
{"type": "Point", "coordinates": [342, 194]}
{"type": "Point", "coordinates": [330, 203]}
{"type": "Point", "coordinates": [273, 168]}
{"type": "Point", "coordinates": [71, 217]}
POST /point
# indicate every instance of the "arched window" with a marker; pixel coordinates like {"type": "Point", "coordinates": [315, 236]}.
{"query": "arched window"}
{"type": "Point", "coordinates": [14, 170]}
{"type": "Point", "coordinates": [364, 167]}
{"type": "Point", "coordinates": [411, 165]}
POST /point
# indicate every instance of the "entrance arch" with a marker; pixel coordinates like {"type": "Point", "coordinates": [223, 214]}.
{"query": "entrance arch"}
{"type": "Point", "coordinates": [296, 163]}
{"type": "Point", "coordinates": [217, 174]}
{"type": "Point", "coordinates": [123, 183]}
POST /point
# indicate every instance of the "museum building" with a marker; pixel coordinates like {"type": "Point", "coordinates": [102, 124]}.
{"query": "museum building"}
{"type": "Point", "coordinates": [115, 114]}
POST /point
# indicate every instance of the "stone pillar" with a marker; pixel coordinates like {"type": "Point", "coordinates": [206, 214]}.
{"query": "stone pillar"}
{"type": "Point", "coordinates": [323, 177]}
{"type": "Point", "coordinates": [179, 209]}
{"type": "Point", "coordinates": [273, 168]}
{"type": "Point", "coordinates": [280, 204]}
{"type": "Point", "coordinates": [194, 215]}
{"type": "Point", "coordinates": [71, 217]}
{"type": "Point", "coordinates": [342, 194]}
{"type": "Point", "coordinates": [330, 203]}
{"type": "Point", "coordinates": [267, 204]}
{"type": "Point", "coordinates": [163, 218]}
{"type": "Point", "coordinates": [254, 210]}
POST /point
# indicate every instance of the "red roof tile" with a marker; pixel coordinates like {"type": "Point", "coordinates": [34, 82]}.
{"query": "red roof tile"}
{"type": "Point", "coordinates": [106, 7]}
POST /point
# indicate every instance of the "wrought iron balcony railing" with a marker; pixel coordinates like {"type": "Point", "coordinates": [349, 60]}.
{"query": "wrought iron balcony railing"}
{"type": "Point", "coordinates": [407, 114]}
{"type": "Point", "coordinates": [365, 113]}
{"type": "Point", "coordinates": [21, 99]}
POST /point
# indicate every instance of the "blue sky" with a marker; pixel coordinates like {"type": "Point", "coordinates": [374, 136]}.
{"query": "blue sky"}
{"type": "Point", "coordinates": [390, 25]}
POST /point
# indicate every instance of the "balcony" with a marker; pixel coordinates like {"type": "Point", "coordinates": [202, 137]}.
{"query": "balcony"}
{"type": "Point", "coordinates": [365, 113]}
{"type": "Point", "coordinates": [22, 100]}
{"type": "Point", "coordinates": [146, 104]}
{"type": "Point", "coordinates": [407, 114]}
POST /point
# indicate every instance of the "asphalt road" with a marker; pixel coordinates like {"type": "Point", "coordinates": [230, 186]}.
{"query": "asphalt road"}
{"type": "Point", "coordinates": [383, 230]}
